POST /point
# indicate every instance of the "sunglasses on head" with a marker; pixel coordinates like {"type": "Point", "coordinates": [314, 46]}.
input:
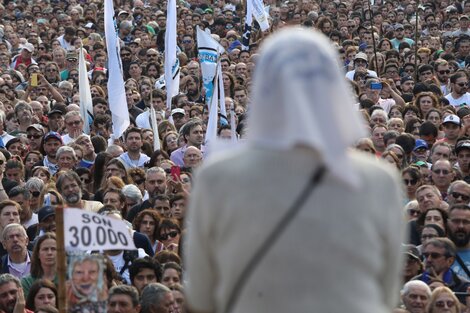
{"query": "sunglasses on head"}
{"type": "Point", "coordinates": [172, 234]}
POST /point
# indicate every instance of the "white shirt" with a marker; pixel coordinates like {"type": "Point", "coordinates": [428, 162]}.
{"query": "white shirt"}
{"type": "Point", "coordinates": [350, 74]}
{"type": "Point", "coordinates": [128, 163]}
{"type": "Point", "coordinates": [463, 100]}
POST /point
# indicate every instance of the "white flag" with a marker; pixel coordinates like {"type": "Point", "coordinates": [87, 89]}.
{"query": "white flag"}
{"type": "Point", "coordinates": [233, 128]}
{"type": "Point", "coordinates": [260, 14]}
{"type": "Point", "coordinates": [86, 102]}
{"type": "Point", "coordinates": [153, 123]}
{"type": "Point", "coordinates": [223, 111]}
{"type": "Point", "coordinates": [116, 91]}
{"type": "Point", "coordinates": [172, 63]}
{"type": "Point", "coordinates": [209, 51]}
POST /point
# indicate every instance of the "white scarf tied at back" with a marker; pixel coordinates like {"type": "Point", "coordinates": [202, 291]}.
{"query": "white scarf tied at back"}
{"type": "Point", "coordinates": [300, 98]}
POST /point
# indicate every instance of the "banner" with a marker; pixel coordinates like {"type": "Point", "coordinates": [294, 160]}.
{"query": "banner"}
{"type": "Point", "coordinates": [172, 63]}
{"type": "Point", "coordinates": [212, 123]}
{"type": "Point", "coordinates": [260, 14]}
{"type": "Point", "coordinates": [223, 110]}
{"type": "Point", "coordinates": [86, 102]}
{"type": "Point", "coordinates": [154, 125]}
{"type": "Point", "coordinates": [209, 51]}
{"type": "Point", "coordinates": [116, 91]}
{"type": "Point", "coordinates": [84, 231]}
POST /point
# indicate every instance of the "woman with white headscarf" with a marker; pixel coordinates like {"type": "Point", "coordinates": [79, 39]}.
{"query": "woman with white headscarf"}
{"type": "Point", "coordinates": [295, 221]}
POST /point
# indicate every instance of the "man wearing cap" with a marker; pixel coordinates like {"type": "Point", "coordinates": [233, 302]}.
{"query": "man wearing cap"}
{"type": "Point", "coordinates": [462, 151]}
{"type": "Point", "coordinates": [420, 151]}
{"type": "Point", "coordinates": [51, 143]}
{"type": "Point", "coordinates": [179, 117]}
{"type": "Point", "coordinates": [25, 56]}
{"type": "Point", "coordinates": [451, 125]}
{"type": "Point", "coordinates": [35, 132]}
{"type": "Point", "coordinates": [400, 37]}
{"type": "Point", "coordinates": [459, 85]}
{"type": "Point", "coordinates": [413, 265]}
{"type": "Point", "coordinates": [46, 218]}
{"type": "Point", "coordinates": [407, 84]}
{"type": "Point", "coordinates": [71, 63]}
{"type": "Point", "coordinates": [360, 61]}
{"type": "Point", "coordinates": [463, 29]}
{"type": "Point", "coordinates": [442, 70]}
{"type": "Point", "coordinates": [56, 120]}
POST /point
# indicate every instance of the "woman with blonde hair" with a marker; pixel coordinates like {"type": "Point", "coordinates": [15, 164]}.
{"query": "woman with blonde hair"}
{"type": "Point", "coordinates": [443, 300]}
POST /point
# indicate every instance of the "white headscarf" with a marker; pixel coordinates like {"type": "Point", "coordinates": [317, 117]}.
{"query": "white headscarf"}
{"type": "Point", "coordinates": [300, 98]}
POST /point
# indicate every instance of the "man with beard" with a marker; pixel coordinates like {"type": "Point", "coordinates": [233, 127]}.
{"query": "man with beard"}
{"type": "Point", "coordinates": [191, 86]}
{"type": "Point", "coordinates": [69, 187]}
{"type": "Point", "coordinates": [10, 293]}
{"type": "Point", "coordinates": [400, 37]}
{"type": "Point", "coordinates": [439, 255]}
{"type": "Point", "coordinates": [441, 68]}
{"type": "Point", "coordinates": [459, 85]}
{"type": "Point", "coordinates": [50, 144]}
{"type": "Point", "coordinates": [24, 114]}
{"type": "Point", "coordinates": [155, 184]}
{"type": "Point", "coordinates": [458, 227]}
{"type": "Point", "coordinates": [133, 157]}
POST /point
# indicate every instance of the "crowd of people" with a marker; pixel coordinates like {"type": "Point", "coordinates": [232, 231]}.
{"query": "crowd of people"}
{"type": "Point", "coordinates": [405, 61]}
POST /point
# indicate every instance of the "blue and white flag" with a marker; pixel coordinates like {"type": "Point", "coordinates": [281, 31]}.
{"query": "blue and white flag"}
{"type": "Point", "coordinates": [116, 91]}
{"type": "Point", "coordinates": [209, 51]}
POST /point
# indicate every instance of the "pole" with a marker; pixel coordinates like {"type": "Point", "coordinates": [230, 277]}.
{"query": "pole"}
{"type": "Point", "coordinates": [373, 40]}
{"type": "Point", "coordinates": [416, 40]}
{"type": "Point", "coordinates": [61, 258]}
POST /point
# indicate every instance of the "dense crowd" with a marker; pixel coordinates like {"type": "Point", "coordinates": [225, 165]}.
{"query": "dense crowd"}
{"type": "Point", "coordinates": [405, 61]}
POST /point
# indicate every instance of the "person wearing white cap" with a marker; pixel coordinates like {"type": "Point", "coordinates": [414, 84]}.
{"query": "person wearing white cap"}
{"type": "Point", "coordinates": [280, 224]}
{"type": "Point", "coordinates": [25, 56]}
{"type": "Point", "coordinates": [451, 125]}
{"type": "Point", "coordinates": [360, 61]}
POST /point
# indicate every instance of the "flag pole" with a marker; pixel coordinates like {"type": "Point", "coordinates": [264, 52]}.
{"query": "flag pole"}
{"type": "Point", "coordinates": [61, 258]}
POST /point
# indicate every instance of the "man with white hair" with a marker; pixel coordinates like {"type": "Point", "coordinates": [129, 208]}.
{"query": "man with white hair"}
{"type": "Point", "coordinates": [241, 250]}
{"type": "Point", "coordinates": [415, 296]}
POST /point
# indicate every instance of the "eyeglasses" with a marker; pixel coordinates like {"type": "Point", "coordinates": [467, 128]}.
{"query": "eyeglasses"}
{"type": "Point", "coordinates": [152, 55]}
{"type": "Point", "coordinates": [35, 194]}
{"type": "Point", "coordinates": [443, 172]}
{"type": "Point", "coordinates": [433, 255]}
{"type": "Point", "coordinates": [457, 195]}
{"type": "Point", "coordinates": [34, 136]}
{"type": "Point", "coordinates": [441, 304]}
{"type": "Point", "coordinates": [411, 182]}
{"type": "Point", "coordinates": [172, 234]}
{"type": "Point", "coordinates": [139, 181]}
{"type": "Point", "coordinates": [187, 41]}
{"type": "Point", "coordinates": [74, 123]}
{"type": "Point", "coordinates": [413, 212]}
{"type": "Point", "coordinates": [444, 72]}
{"type": "Point", "coordinates": [461, 85]}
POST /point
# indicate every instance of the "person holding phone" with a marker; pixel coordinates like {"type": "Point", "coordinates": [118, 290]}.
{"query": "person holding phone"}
{"type": "Point", "coordinates": [374, 89]}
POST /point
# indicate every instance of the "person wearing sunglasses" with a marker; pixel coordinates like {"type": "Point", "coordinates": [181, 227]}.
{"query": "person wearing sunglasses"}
{"type": "Point", "coordinates": [442, 70]}
{"type": "Point", "coordinates": [439, 255]}
{"type": "Point", "coordinates": [442, 175]}
{"type": "Point", "coordinates": [169, 234]}
{"type": "Point", "coordinates": [459, 85]}
{"type": "Point", "coordinates": [412, 180]}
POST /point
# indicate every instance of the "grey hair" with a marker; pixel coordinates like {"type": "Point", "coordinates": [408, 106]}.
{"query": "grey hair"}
{"type": "Point", "coordinates": [72, 114]}
{"type": "Point", "coordinates": [132, 192]}
{"type": "Point", "coordinates": [10, 227]}
{"type": "Point", "coordinates": [152, 296]}
{"type": "Point", "coordinates": [8, 278]}
{"type": "Point", "coordinates": [65, 83]}
{"type": "Point", "coordinates": [65, 149]}
{"type": "Point", "coordinates": [34, 183]}
{"type": "Point", "coordinates": [155, 170]}
{"type": "Point", "coordinates": [22, 105]}
{"type": "Point", "coordinates": [456, 182]}
{"type": "Point", "coordinates": [380, 112]}
{"type": "Point", "coordinates": [415, 283]}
